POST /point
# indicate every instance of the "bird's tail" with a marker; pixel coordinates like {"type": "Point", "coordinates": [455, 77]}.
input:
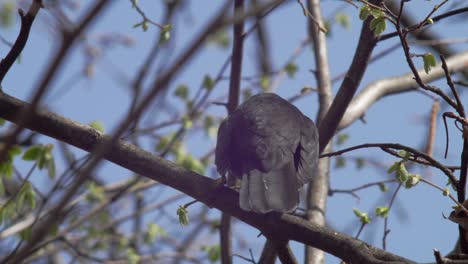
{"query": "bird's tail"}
{"type": "Point", "coordinates": [276, 190]}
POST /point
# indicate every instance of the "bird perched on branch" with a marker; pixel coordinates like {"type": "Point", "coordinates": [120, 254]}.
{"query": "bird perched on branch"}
{"type": "Point", "coordinates": [269, 144]}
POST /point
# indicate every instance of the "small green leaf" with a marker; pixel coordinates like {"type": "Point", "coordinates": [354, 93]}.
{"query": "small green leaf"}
{"type": "Point", "coordinates": [363, 217]}
{"type": "Point", "coordinates": [182, 212]}
{"type": "Point", "coordinates": [214, 252]}
{"type": "Point", "coordinates": [430, 21]}
{"type": "Point", "coordinates": [29, 195]}
{"type": "Point", "coordinates": [393, 167]}
{"type": "Point", "coordinates": [2, 121]}
{"type": "Point", "coordinates": [220, 38]}
{"type": "Point", "coordinates": [342, 138]}
{"type": "Point", "coordinates": [376, 13]}
{"type": "Point", "coordinates": [191, 163]}
{"type": "Point", "coordinates": [343, 20]}
{"type": "Point", "coordinates": [383, 187]}
{"type": "Point", "coordinates": [264, 82]}
{"type": "Point", "coordinates": [382, 211]}
{"type": "Point", "coordinates": [291, 69]}
{"type": "Point", "coordinates": [95, 192]}
{"type": "Point", "coordinates": [340, 162]}
{"type": "Point", "coordinates": [208, 82]}
{"type": "Point", "coordinates": [360, 162]}
{"type": "Point", "coordinates": [165, 34]}
{"type": "Point", "coordinates": [429, 62]}
{"type": "Point", "coordinates": [378, 25]}
{"type": "Point", "coordinates": [182, 91]}
{"type": "Point", "coordinates": [153, 232]}
{"type": "Point", "coordinates": [33, 153]}
{"type": "Point", "coordinates": [54, 230]}
{"type": "Point", "coordinates": [97, 125]}
{"type": "Point", "coordinates": [405, 154]}
{"type": "Point", "coordinates": [144, 25]}
{"type": "Point", "coordinates": [413, 180]}
{"type": "Point", "coordinates": [446, 192]}
{"type": "Point", "coordinates": [132, 256]}
{"type": "Point", "coordinates": [26, 233]}
{"type": "Point", "coordinates": [401, 172]}
{"type": "Point", "coordinates": [364, 12]}
{"type": "Point", "coordinates": [134, 3]}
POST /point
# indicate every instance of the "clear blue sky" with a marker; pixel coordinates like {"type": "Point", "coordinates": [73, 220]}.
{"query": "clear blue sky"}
{"type": "Point", "coordinates": [416, 221]}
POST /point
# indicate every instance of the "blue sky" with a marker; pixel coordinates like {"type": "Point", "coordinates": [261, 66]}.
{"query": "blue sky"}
{"type": "Point", "coordinates": [416, 223]}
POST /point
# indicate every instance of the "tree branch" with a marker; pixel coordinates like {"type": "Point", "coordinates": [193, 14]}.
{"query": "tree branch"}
{"type": "Point", "coordinates": [394, 85]}
{"type": "Point", "coordinates": [317, 191]}
{"type": "Point", "coordinates": [328, 126]}
{"type": "Point", "coordinates": [204, 189]}
{"type": "Point", "coordinates": [26, 24]}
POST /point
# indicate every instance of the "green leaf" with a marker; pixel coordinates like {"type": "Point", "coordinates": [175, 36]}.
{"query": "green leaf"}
{"type": "Point", "coordinates": [144, 25]}
{"type": "Point", "coordinates": [51, 171]}
{"type": "Point", "coordinates": [97, 125]}
{"type": "Point", "coordinates": [291, 69]}
{"type": "Point", "coordinates": [413, 180]}
{"type": "Point", "coordinates": [29, 194]}
{"type": "Point", "coordinates": [340, 162]}
{"type": "Point", "coordinates": [26, 233]}
{"type": "Point", "coordinates": [2, 192]}
{"type": "Point", "coordinates": [214, 252]}
{"type": "Point", "coordinates": [220, 38]}
{"type": "Point", "coordinates": [7, 13]}
{"type": "Point", "coordinates": [383, 187]}
{"type": "Point", "coordinates": [182, 91]}
{"type": "Point", "coordinates": [341, 139]}
{"type": "Point", "coordinates": [2, 121]}
{"type": "Point", "coordinates": [163, 143]}
{"type": "Point", "coordinates": [132, 256]}
{"type": "Point", "coordinates": [393, 167]}
{"type": "Point", "coordinates": [182, 212]}
{"type": "Point", "coordinates": [364, 12]}
{"type": "Point", "coordinates": [264, 82]}
{"type": "Point", "coordinates": [378, 25]}
{"type": "Point", "coordinates": [54, 230]}
{"type": "Point", "coordinates": [95, 192]}
{"type": "Point", "coordinates": [7, 211]}
{"type": "Point", "coordinates": [405, 154]}
{"type": "Point", "coordinates": [401, 172]}
{"type": "Point", "coordinates": [446, 192]}
{"type": "Point", "coordinates": [191, 163]}
{"type": "Point", "coordinates": [208, 82]}
{"type": "Point", "coordinates": [343, 20]}
{"type": "Point", "coordinates": [134, 3]}
{"type": "Point", "coordinates": [165, 34]}
{"type": "Point", "coordinates": [363, 217]}
{"type": "Point", "coordinates": [33, 153]}
{"type": "Point", "coordinates": [153, 232]}
{"type": "Point", "coordinates": [360, 162]}
{"type": "Point", "coordinates": [429, 62]}
{"type": "Point", "coordinates": [430, 21]}
{"type": "Point", "coordinates": [382, 211]}
{"type": "Point", "coordinates": [376, 13]}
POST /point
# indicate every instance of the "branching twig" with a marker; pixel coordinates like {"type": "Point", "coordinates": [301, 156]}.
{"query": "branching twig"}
{"type": "Point", "coordinates": [26, 23]}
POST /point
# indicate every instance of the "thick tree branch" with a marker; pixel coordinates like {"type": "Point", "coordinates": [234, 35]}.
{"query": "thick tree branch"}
{"type": "Point", "coordinates": [328, 126]}
{"type": "Point", "coordinates": [394, 85]}
{"type": "Point", "coordinates": [317, 191]}
{"type": "Point", "coordinates": [204, 189]}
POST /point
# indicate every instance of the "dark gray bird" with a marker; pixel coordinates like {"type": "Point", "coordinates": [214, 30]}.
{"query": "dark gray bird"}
{"type": "Point", "coordinates": [269, 144]}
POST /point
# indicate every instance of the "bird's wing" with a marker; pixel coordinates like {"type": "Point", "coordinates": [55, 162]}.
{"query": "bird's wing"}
{"type": "Point", "coordinates": [306, 156]}
{"type": "Point", "coordinates": [222, 155]}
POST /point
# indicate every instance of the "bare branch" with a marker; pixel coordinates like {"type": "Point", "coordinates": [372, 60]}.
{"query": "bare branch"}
{"type": "Point", "coordinates": [394, 85]}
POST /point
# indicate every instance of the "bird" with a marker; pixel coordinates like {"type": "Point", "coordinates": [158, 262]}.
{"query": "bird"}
{"type": "Point", "coordinates": [270, 145]}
